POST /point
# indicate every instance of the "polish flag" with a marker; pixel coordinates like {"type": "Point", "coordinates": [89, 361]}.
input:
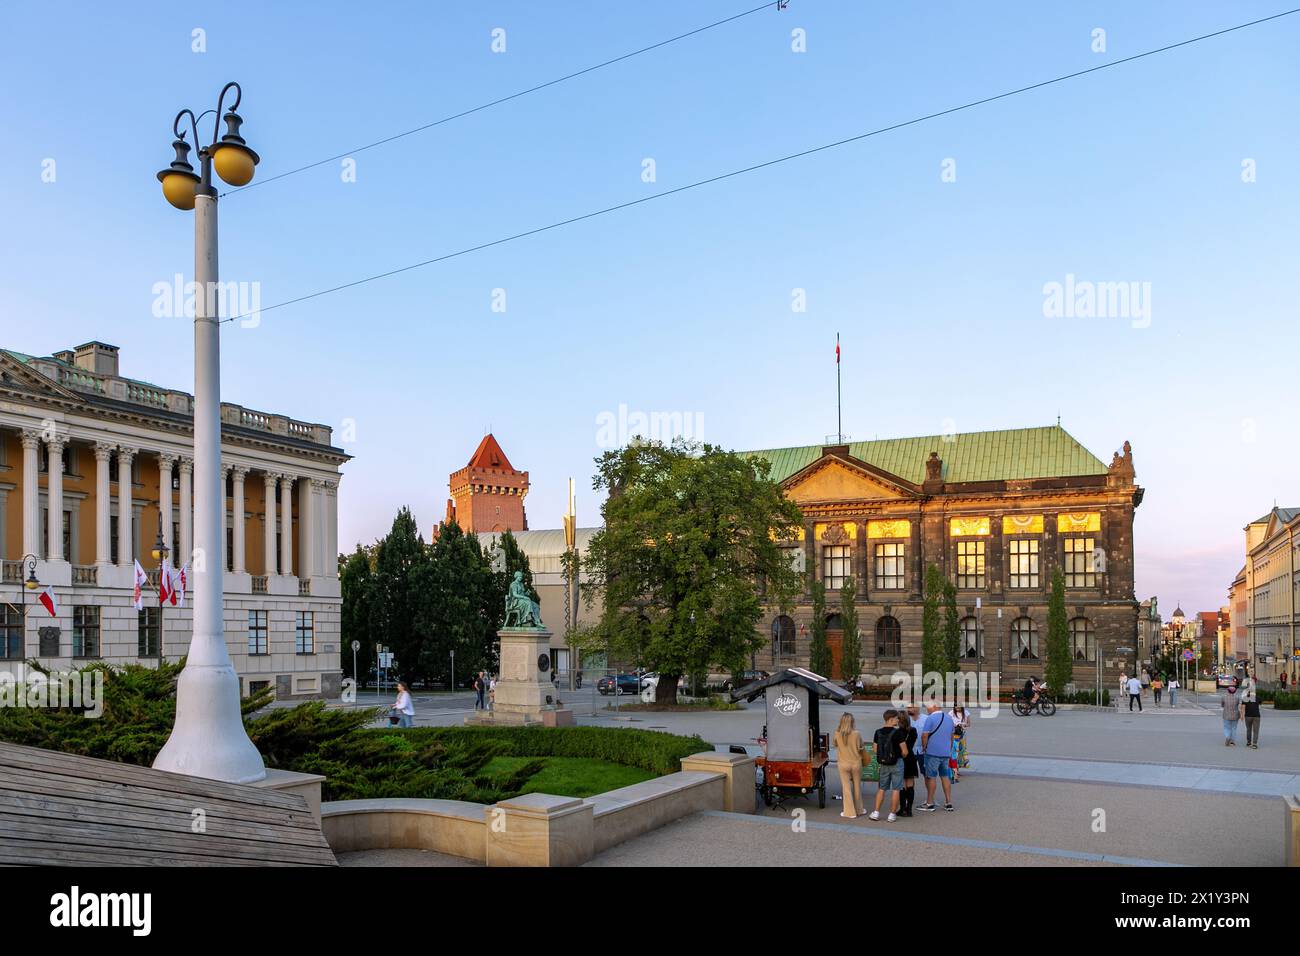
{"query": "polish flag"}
{"type": "Point", "coordinates": [180, 579]}
{"type": "Point", "coordinates": [164, 582]}
{"type": "Point", "coordinates": [837, 348]}
{"type": "Point", "coordinates": [141, 579]}
{"type": "Point", "coordinates": [50, 601]}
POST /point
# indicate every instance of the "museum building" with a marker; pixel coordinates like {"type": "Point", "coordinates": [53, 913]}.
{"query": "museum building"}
{"type": "Point", "coordinates": [998, 512]}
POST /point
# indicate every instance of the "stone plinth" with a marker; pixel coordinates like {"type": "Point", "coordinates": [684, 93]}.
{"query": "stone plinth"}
{"type": "Point", "coordinates": [538, 829]}
{"type": "Point", "coordinates": [305, 785]}
{"type": "Point", "coordinates": [738, 771]}
{"type": "Point", "coordinates": [524, 694]}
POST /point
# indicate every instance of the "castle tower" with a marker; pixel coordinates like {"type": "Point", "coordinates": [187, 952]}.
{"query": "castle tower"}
{"type": "Point", "coordinates": [488, 493]}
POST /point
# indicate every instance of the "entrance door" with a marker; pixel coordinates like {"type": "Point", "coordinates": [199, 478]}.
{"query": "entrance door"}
{"type": "Point", "coordinates": [835, 641]}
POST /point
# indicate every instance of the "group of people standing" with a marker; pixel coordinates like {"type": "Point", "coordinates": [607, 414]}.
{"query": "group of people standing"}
{"type": "Point", "coordinates": [1237, 706]}
{"type": "Point", "coordinates": [907, 748]}
{"type": "Point", "coordinates": [1134, 687]}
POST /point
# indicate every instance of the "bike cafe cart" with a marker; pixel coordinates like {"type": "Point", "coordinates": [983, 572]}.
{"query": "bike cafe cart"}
{"type": "Point", "coordinates": [795, 751]}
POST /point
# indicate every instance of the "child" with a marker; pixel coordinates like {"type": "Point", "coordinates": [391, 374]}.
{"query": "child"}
{"type": "Point", "coordinates": [891, 749]}
{"type": "Point", "coordinates": [911, 769]}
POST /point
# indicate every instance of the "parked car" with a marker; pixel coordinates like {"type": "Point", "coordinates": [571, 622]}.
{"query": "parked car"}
{"type": "Point", "coordinates": [743, 678]}
{"type": "Point", "coordinates": [625, 683]}
{"type": "Point", "coordinates": [1225, 680]}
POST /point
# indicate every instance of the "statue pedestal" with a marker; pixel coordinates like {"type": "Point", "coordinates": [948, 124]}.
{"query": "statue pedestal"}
{"type": "Point", "coordinates": [524, 694]}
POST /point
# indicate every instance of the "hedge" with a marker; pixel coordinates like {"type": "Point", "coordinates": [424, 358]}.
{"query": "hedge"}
{"type": "Point", "coordinates": [1286, 700]}
{"type": "Point", "coordinates": [650, 750]}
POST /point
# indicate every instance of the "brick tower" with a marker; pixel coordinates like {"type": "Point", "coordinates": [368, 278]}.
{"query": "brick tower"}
{"type": "Point", "coordinates": [488, 494]}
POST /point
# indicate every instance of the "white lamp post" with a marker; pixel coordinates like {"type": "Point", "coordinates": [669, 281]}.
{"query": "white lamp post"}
{"type": "Point", "coordinates": [208, 738]}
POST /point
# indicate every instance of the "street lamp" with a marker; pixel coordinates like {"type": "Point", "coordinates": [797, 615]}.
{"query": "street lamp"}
{"type": "Point", "coordinates": [30, 583]}
{"type": "Point", "coordinates": [208, 738]}
{"type": "Point", "coordinates": [160, 553]}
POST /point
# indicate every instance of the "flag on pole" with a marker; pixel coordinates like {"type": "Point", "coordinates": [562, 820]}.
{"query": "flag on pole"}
{"type": "Point", "coordinates": [50, 601]}
{"type": "Point", "coordinates": [837, 348]}
{"type": "Point", "coordinates": [164, 582]}
{"type": "Point", "coordinates": [178, 584]}
{"type": "Point", "coordinates": [141, 579]}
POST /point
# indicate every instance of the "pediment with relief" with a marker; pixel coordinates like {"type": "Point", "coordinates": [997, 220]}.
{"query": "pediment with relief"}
{"type": "Point", "coordinates": [19, 376]}
{"type": "Point", "coordinates": [833, 479]}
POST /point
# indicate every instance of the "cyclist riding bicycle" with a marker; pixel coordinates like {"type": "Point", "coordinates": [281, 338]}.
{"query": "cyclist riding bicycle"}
{"type": "Point", "coordinates": [1032, 689]}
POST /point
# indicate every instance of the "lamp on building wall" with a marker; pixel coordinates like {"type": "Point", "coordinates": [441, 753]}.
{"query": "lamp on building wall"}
{"type": "Point", "coordinates": [208, 738]}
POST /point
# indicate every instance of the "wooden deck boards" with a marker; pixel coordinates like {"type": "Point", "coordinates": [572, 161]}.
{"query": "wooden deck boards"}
{"type": "Point", "coordinates": [59, 809]}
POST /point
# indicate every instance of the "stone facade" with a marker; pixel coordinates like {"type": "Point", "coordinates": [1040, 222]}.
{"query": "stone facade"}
{"type": "Point", "coordinates": [118, 454]}
{"type": "Point", "coordinates": [999, 519]}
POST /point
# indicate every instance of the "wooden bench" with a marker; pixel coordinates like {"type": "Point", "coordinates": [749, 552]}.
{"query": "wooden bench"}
{"type": "Point", "coordinates": [63, 810]}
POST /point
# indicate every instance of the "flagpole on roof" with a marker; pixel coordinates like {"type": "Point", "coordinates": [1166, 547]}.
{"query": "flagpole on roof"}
{"type": "Point", "coordinates": [839, 406]}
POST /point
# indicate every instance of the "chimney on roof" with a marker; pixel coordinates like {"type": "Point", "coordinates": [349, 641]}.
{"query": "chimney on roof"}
{"type": "Point", "coordinates": [97, 357]}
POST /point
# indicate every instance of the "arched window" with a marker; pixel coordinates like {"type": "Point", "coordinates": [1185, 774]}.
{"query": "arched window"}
{"type": "Point", "coordinates": [889, 637]}
{"type": "Point", "coordinates": [1083, 637]}
{"type": "Point", "coordinates": [834, 622]}
{"type": "Point", "coordinates": [783, 637]}
{"type": "Point", "coordinates": [970, 639]}
{"type": "Point", "coordinates": [1024, 640]}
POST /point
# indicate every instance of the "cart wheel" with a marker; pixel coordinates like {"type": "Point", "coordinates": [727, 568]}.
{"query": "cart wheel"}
{"type": "Point", "coordinates": [768, 797]}
{"type": "Point", "coordinates": [821, 791]}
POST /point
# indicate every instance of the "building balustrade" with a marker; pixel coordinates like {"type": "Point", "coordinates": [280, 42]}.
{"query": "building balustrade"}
{"type": "Point", "coordinates": [85, 574]}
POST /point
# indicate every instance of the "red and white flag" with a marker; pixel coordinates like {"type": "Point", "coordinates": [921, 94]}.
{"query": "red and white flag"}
{"type": "Point", "coordinates": [180, 580]}
{"type": "Point", "coordinates": [50, 601]}
{"type": "Point", "coordinates": [837, 348]}
{"type": "Point", "coordinates": [141, 579]}
{"type": "Point", "coordinates": [164, 582]}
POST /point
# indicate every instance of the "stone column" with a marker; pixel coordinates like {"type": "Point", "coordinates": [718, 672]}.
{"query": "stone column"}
{"type": "Point", "coordinates": [306, 526]}
{"type": "Point", "coordinates": [268, 522]}
{"type": "Point", "coordinates": [186, 506]}
{"type": "Point", "coordinates": [237, 514]}
{"type": "Point", "coordinates": [286, 523]}
{"type": "Point", "coordinates": [54, 497]}
{"type": "Point", "coordinates": [31, 493]}
{"type": "Point", "coordinates": [221, 507]}
{"type": "Point", "coordinates": [103, 504]}
{"type": "Point", "coordinates": [125, 507]}
{"type": "Point", "coordinates": [331, 503]}
{"type": "Point", "coordinates": [165, 463]}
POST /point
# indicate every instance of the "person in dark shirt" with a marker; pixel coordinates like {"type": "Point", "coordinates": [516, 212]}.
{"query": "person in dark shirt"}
{"type": "Point", "coordinates": [911, 768]}
{"type": "Point", "coordinates": [891, 749]}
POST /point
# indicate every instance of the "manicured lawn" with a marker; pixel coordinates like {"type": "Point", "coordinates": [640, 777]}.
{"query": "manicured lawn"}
{"type": "Point", "coordinates": [568, 776]}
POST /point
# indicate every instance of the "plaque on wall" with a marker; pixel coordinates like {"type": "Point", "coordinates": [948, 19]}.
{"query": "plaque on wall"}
{"type": "Point", "coordinates": [49, 641]}
{"type": "Point", "coordinates": [514, 662]}
{"type": "Point", "coordinates": [544, 663]}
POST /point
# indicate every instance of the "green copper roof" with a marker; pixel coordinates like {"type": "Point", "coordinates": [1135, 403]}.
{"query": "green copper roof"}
{"type": "Point", "coordinates": [1048, 452]}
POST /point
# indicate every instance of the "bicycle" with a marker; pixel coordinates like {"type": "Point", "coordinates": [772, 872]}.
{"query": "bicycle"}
{"type": "Point", "coordinates": [1022, 708]}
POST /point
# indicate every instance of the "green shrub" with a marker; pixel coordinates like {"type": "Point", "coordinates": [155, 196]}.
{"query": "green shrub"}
{"type": "Point", "coordinates": [1286, 700]}
{"type": "Point", "coordinates": [1085, 697]}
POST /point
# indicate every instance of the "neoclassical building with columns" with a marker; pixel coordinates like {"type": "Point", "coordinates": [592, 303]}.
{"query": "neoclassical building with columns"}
{"type": "Point", "coordinates": [115, 457]}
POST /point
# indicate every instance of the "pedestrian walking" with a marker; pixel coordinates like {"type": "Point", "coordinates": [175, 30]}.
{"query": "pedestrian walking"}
{"type": "Point", "coordinates": [492, 692]}
{"type": "Point", "coordinates": [848, 757]}
{"type": "Point", "coordinates": [911, 768]}
{"type": "Point", "coordinates": [890, 750]}
{"type": "Point", "coordinates": [960, 730]}
{"type": "Point", "coordinates": [1123, 688]}
{"type": "Point", "coordinates": [1134, 693]}
{"type": "Point", "coordinates": [1173, 692]}
{"type": "Point", "coordinates": [936, 750]}
{"type": "Point", "coordinates": [480, 691]}
{"type": "Point", "coordinates": [1232, 708]}
{"type": "Point", "coordinates": [403, 709]}
{"type": "Point", "coordinates": [1146, 679]}
{"type": "Point", "coordinates": [1157, 685]}
{"type": "Point", "coordinates": [1282, 679]}
{"type": "Point", "coordinates": [1250, 709]}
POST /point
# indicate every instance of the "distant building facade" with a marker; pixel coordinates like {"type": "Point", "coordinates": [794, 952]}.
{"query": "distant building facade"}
{"type": "Point", "coordinates": [95, 466]}
{"type": "Point", "coordinates": [998, 513]}
{"type": "Point", "coordinates": [1273, 587]}
{"type": "Point", "coordinates": [1149, 631]}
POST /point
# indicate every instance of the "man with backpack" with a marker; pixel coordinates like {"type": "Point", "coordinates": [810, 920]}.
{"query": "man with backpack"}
{"type": "Point", "coordinates": [936, 746]}
{"type": "Point", "coordinates": [891, 748]}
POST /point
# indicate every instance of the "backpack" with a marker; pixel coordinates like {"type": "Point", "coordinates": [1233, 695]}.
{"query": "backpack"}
{"type": "Point", "coordinates": [887, 748]}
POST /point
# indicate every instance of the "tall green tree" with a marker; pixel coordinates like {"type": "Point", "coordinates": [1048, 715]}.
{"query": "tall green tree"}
{"type": "Point", "coordinates": [395, 598]}
{"type": "Point", "coordinates": [354, 618]}
{"type": "Point", "coordinates": [820, 658]}
{"type": "Point", "coordinates": [689, 531]}
{"type": "Point", "coordinates": [951, 628]}
{"type": "Point", "coordinates": [851, 649]}
{"type": "Point", "coordinates": [461, 606]}
{"type": "Point", "coordinates": [933, 658]}
{"type": "Point", "coordinates": [1059, 667]}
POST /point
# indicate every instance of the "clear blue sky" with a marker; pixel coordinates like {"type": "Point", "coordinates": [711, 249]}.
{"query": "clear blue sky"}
{"type": "Point", "coordinates": [684, 304]}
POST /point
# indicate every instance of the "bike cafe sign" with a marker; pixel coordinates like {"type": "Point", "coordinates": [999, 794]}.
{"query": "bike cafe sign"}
{"type": "Point", "coordinates": [787, 705]}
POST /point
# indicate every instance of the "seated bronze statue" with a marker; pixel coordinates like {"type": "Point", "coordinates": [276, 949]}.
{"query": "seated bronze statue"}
{"type": "Point", "coordinates": [520, 605]}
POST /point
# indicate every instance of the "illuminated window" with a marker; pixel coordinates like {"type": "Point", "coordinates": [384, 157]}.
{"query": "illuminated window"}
{"type": "Point", "coordinates": [1080, 563]}
{"type": "Point", "coordinates": [891, 572]}
{"type": "Point", "coordinates": [970, 564]}
{"type": "Point", "coordinates": [1022, 562]}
